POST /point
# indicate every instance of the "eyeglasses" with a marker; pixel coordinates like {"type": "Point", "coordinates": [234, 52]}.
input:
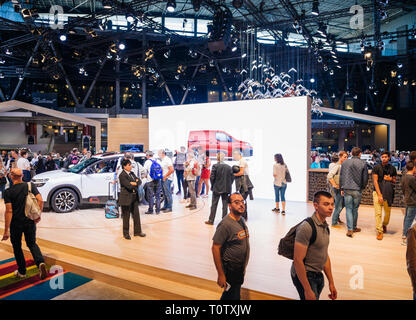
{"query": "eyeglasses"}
{"type": "Point", "coordinates": [238, 202]}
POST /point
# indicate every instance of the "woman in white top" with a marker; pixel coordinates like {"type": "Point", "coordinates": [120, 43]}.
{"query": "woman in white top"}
{"type": "Point", "coordinates": [280, 183]}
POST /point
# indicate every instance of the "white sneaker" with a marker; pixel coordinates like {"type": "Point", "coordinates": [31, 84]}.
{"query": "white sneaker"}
{"type": "Point", "coordinates": [19, 275]}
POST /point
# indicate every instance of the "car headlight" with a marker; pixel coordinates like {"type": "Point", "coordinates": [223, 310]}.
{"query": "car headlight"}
{"type": "Point", "coordinates": [40, 182]}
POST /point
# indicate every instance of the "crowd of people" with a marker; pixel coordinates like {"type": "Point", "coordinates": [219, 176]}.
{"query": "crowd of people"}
{"type": "Point", "coordinates": [307, 242]}
{"type": "Point", "coordinates": [323, 160]}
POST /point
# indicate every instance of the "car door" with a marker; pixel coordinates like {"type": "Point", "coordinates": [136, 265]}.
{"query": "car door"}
{"type": "Point", "coordinates": [96, 179]}
{"type": "Point", "coordinates": [221, 142]}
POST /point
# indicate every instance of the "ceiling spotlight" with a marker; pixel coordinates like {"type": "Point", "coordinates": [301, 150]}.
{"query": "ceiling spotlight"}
{"type": "Point", "coordinates": [399, 64]}
{"type": "Point", "coordinates": [2, 61]}
{"type": "Point", "coordinates": [312, 80]}
{"type": "Point", "coordinates": [325, 68]}
{"type": "Point", "coordinates": [331, 72]}
{"type": "Point", "coordinates": [333, 96]}
{"type": "Point", "coordinates": [196, 4]}
{"type": "Point", "coordinates": [62, 37]}
{"type": "Point", "coordinates": [319, 59]}
{"type": "Point", "coordinates": [171, 5]}
{"type": "Point", "coordinates": [315, 8]}
{"type": "Point", "coordinates": [107, 4]}
{"type": "Point", "coordinates": [237, 4]}
{"type": "Point", "coordinates": [244, 55]}
{"type": "Point", "coordinates": [234, 49]}
{"type": "Point", "coordinates": [130, 18]}
{"type": "Point", "coordinates": [338, 66]}
{"type": "Point", "coordinates": [366, 108]}
{"type": "Point", "coordinates": [167, 54]}
{"type": "Point", "coordinates": [122, 46]}
{"type": "Point", "coordinates": [1, 75]}
{"type": "Point", "coordinates": [8, 52]}
{"type": "Point", "coordinates": [355, 97]}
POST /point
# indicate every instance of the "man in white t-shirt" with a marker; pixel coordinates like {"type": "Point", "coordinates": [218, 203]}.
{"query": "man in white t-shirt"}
{"type": "Point", "coordinates": [24, 164]}
{"type": "Point", "coordinates": [152, 187]}
{"type": "Point", "coordinates": [168, 171]}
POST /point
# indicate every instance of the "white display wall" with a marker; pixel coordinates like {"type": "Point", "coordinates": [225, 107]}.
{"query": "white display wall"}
{"type": "Point", "coordinates": [271, 126]}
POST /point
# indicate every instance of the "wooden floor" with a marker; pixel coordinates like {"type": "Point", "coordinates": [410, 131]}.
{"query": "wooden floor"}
{"type": "Point", "coordinates": [181, 242]}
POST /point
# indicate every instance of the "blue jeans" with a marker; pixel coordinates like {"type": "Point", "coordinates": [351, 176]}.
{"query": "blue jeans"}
{"type": "Point", "coordinates": [179, 176]}
{"type": "Point", "coordinates": [154, 188]}
{"type": "Point", "coordinates": [408, 219]}
{"type": "Point", "coordinates": [279, 192]}
{"type": "Point", "coordinates": [352, 202]}
{"type": "Point", "coordinates": [26, 176]}
{"type": "Point", "coordinates": [339, 205]}
{"type": "Point", "coordinates": [316, 281]}
{"type": "Point", "coordinates": [167, 193]}
{"type": "Point", "coordinates": [197, 186]}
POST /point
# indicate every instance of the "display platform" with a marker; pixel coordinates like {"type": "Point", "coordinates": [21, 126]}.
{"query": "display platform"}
{"type": "Point", "coordinates": [176, 253]}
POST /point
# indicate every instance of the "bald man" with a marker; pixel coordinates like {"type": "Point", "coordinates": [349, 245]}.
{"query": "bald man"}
{"type": "Point", "coordinates": [16, 223]}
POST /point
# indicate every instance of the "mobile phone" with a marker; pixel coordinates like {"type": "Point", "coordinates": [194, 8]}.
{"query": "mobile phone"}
{"type": "Point", "coordinates": [227, 286]}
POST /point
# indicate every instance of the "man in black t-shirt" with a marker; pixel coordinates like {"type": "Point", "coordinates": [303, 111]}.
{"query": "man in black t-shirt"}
{"type": "Point", "coordinates": [18, 224]}
{"type": "Point", "coordinates": [384, 178]}
{"type": "Point", "coordinates": [231, 249]}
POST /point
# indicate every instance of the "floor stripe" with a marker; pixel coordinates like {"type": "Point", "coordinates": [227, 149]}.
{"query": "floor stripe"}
{"type": "Point", "coordinates": [12, 273]}
{"type": "Point", "coordinates": [3, 296]}
{"type": "Point", "coordinates": [12, 266]}
{"type": "Point", "coordinates": [13, 283]}
{"type": "Point", "coordinates": [43, 290]}
{"type": "Point", "coordinates": [7, 261]}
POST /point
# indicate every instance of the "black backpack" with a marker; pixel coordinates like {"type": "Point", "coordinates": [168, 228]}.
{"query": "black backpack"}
{"type": "Point", "coordinates": [287, 244]}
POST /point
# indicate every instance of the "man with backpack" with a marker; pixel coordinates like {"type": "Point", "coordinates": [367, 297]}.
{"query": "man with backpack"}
{"type": "Point", "coordinates": [154, 181]}
{"type": "Point", "coordinates": [17, 223]}
{"type": "Point", "coordinates": [310, 250]}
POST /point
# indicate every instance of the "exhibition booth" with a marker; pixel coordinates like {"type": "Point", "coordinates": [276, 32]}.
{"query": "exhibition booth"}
{"type": "Point", "coordinates": [174, 260]}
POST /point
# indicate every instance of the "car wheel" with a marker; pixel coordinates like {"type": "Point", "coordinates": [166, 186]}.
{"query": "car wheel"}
{"type": "Point", "coordinates": [64, 200]}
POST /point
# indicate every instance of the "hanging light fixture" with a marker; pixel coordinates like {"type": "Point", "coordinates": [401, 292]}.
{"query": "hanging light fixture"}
{"type": "Point", "coordinates": [171, 5]}
{"type": "Point", "coordinates": [315, 8]}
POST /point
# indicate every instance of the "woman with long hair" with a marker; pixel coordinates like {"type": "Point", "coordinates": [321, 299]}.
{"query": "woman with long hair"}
{"type": "Point", "coordinates": [280, 183]}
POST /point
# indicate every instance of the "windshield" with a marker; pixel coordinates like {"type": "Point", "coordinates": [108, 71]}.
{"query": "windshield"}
{"type": "Point", "coordinates": [82, 165]}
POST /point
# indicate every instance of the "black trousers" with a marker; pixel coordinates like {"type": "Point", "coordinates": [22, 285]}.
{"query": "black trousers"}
{"type": "Point", "coordinates": [133, 210]}
{"type": "Point", "coordinates": [215, 199]}
{"type": "Point", "coordinates": [235, 277]}
{"type": "Point", "coordinates": [245, 195]}
{"type": "Point", "coordinates": [28, 228]}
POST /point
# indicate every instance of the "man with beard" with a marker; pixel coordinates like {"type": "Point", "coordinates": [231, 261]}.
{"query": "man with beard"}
{"type": "Point", "coordinates": [231, 249]}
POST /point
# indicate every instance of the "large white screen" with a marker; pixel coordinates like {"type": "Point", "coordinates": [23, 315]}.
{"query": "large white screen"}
{"type": "Point", "coordinates": [271, 126]}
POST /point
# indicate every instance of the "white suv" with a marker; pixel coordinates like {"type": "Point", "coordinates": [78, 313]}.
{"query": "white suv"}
{"type": "Point", "coordinates": [85, 183]}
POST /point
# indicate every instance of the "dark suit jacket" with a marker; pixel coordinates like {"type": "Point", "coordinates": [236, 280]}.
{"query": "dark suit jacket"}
{"type": "Point", "coordinates": [222, 178]}
{"type": "Point", "coordinates": [128, 192]}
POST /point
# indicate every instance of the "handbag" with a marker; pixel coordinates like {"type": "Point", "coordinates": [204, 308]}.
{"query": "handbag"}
{"type": "Point", "coordinates": [32, 209]}
{"type": "Point", "coordinates": [288, 178]}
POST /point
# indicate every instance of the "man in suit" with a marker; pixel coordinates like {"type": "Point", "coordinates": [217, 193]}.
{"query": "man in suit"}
{"type": "Point", "coordinates": [222, 178]}
{"type": "Point", "coordinates": [129, 200]}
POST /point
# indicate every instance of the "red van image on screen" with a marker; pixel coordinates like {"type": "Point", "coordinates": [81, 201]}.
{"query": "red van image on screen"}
{"type": "Point", "coordinates": [215, 141]}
